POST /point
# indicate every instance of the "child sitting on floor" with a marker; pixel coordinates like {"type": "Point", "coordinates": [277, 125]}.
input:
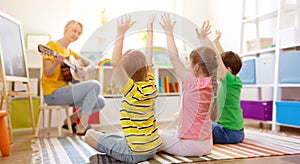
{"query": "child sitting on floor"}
{"type": "Point", "coordinates": [229, 129]}
{"type": "Point", "coordinates": [140, 139]}
{"type": "Point", "coordinates": [199, 103]}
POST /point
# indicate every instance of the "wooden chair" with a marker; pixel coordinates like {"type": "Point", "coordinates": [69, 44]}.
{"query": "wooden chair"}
{"type": "Point", "coordinates": [50, 108]}
{"type": "Point", "coordinates": [43, 107]}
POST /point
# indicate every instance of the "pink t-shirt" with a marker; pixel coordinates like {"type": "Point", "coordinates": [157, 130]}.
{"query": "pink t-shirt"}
{"type": "Point", "coordinates": [194, 122]}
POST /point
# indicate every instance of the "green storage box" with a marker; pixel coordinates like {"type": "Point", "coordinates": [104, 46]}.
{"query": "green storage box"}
{"type": "Point", "coordinates": [20, 112]}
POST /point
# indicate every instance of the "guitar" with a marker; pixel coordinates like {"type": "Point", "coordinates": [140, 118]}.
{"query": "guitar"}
{"type": "Point", "coordinates": [67, 63]}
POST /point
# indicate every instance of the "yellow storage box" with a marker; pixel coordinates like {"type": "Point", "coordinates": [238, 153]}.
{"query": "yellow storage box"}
{"type": "Point", "coordinates": [20, 112]}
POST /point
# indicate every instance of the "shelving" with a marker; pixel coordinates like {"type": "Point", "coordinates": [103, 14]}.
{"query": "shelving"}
{"type": "Point", "coordinates": [285, 15]}
{"type": "Point", "coordinates": [105, 76]}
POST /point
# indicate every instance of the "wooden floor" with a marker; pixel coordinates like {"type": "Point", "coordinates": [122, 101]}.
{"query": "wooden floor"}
{"type": "Point", "coordinates": [21, 151]}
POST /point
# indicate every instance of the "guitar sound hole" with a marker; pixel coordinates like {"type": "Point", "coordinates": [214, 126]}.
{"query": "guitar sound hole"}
{"type": "Point", "coordinates": [66, 72]}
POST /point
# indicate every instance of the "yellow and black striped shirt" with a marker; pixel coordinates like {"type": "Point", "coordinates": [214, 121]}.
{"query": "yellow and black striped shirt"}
{"type": "Point", "coordinates": [137, 115]}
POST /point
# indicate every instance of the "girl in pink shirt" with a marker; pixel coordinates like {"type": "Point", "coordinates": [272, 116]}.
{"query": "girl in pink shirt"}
{"type": "Point", "coordinates": [199, 103]}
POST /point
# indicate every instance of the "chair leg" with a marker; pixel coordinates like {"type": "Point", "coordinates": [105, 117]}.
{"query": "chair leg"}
{"type": "Point", "coordinates": [49, 121]}
{"type": "Point", "coordinates": [39, 123]}
{"type": "Point", "coordinates": [69, 120]}
{"type": "Point", "coordinates": [58, 122]}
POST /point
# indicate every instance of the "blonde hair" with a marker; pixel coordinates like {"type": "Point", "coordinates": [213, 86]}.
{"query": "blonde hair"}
{"type": "Point", "coordinates": [135, 65]}
{"type": "Point", "coordinates": [72, 23]}
{"type": "Point", "coordinates": [207, 60]}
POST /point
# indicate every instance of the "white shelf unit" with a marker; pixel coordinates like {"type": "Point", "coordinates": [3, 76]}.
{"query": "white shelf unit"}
{"type": "Point", "coordinates": [286, 10]}
{"type": "Point", "coordinates": [166, 106]}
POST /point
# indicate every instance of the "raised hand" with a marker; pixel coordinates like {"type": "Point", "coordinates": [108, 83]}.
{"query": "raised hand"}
{"type": "Point", "coordinates": [166, 23]}
{"type": "Point", "coordinates": [149, 42]}
{"type": "Point", "coordinates": [124, 23]}
{"type": "Point", "coordinates": [206, 27]}
{"type": "Point", "coordinates": [150, 23]}
{"type": "Point", "coordinates": [204, 31]}
{"type": "Point", "coordinates": [218, 36]}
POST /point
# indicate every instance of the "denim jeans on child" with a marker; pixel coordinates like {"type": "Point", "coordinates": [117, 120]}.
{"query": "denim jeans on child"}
{"type": "Point", "coordinates": [222, 135]}
{"type": "Point", "coordinates": [115, 145]}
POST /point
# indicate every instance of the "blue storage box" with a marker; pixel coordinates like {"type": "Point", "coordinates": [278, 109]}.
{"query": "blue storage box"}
{"type": "Point", "coordinates": [288, 112]}
{"type": "Point", "coordinates": [247, 72]}
{"type": "Point", "coordinates": [289, 66]}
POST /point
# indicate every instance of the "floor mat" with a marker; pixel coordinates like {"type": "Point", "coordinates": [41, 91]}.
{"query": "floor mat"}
{"type": "Point", "coordinates": [256, 144]}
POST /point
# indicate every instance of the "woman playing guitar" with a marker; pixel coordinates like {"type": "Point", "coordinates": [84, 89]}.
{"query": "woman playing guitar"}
{"type": "Point", "coordinates": [55, 79]}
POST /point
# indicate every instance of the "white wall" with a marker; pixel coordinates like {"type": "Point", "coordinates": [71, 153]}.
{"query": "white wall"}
{"type": "Point", "coordinates": [39, 16]}
{"type": "Point", "coordinates": [223, 15]}
{"type": "Point", "coordinates": [45, 16]}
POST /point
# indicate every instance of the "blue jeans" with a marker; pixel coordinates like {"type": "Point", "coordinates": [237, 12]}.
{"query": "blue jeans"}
{"type": "Point", "coordinates": [222, 135]}
{"type": "Point", "coordinates": [84, 95]}
{"type": "Point", "coordinates": [115, 145]}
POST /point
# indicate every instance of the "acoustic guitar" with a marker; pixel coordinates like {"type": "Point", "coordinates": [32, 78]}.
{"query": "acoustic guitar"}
{"type": "Point", "coordinates": [69, 69]}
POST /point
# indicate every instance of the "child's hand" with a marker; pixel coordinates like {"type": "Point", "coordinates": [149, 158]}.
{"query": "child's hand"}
{"type": "Point", "coordinates": [204, 31]}
{"type": "Point", "coordinates": [166, 23]}
{"type": "Point", "coordinates": [206, 27]}
{"type": "Point", "coordinates": [150, 23]}
{"type": "Point", "coordinates": [124, 24]}
{"type": "Point", "coordinates": [218, 36]}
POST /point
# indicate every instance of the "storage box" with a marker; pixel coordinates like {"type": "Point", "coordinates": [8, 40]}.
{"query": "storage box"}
{"type": "Point", "coordinates": [289, 36]}
{"type": "Point", "coordinates": [290, 94]}
{"type": "Point", "coordinates": [93, 119]}
{"type": "Point", "coordinates": [265, 69]}
{"type": "Point", "coordinates": [259, 110]}
{"type": "Point", "coordinates": [257, 93]}
{"type": "Point", "coordinates": [289, 66]}
{"type": "Point", "coordinates": [288, 112]}
{"type": "Point", "coordinates": [259, 43]}
{"type": "Point", "coordinates": [20, 112]}
{"type": "Point", "coordinates": [247, 72]}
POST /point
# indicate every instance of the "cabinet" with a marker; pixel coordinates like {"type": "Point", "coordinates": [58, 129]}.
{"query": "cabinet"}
{"type": "Point", "coordinates": [167, 104]}
{"type": "Point", "coordinates": [279, 21]}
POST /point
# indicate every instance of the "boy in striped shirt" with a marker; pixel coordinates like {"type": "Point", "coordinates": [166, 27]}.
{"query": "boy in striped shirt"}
{"type": "Point", "coordinates": [140, 139]}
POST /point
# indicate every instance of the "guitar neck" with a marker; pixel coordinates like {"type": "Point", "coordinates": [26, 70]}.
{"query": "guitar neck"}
{"type": "Point", "coordinates": [72, 66]}
{"type": "Point", "coordinates": [49, 52]}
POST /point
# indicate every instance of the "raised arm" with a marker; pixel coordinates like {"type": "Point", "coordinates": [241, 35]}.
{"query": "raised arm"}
{"type": "Point", "coordinates": [204, 41]}
{"type": "Point", "coordinates": [149, 43]}
{"type": "Point", "coordinates": [180, 70]}
{"type": "Point", "coordinates": [217, 42]}
{"type": "Point", "coordinates": [123, 25]}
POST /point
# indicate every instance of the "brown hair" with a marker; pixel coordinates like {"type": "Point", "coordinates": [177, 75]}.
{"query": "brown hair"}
{"type": "Point", "coordinates": [207, 60]}
{"type": "Point", "coordinates": [233, 61]}
{"type": "Point", "coordinates": [71, 23]}
{"type": "Point", "coordinates": [135, 65]}
{"type": "Point", "coordinates": [196, 59]}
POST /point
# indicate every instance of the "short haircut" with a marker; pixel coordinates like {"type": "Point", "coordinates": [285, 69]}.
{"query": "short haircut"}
{"type": "Point", "coordinates": [233, 61]}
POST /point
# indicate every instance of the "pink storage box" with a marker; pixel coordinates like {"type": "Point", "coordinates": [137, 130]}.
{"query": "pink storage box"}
{"type": "Point", "coordinates": [259, 110]}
